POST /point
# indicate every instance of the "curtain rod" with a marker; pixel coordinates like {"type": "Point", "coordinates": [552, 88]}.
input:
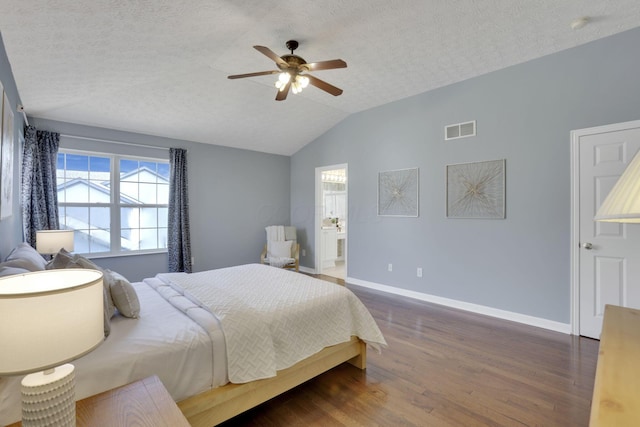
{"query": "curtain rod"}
{"type": "Point", "coordinates": [110, 141]}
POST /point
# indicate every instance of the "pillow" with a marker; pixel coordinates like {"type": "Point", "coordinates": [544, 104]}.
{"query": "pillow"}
{"type": "Point", "coordinates": [21, 263]}
{"type": "Point", "coordinates": [64, 259]}
{"type": "Point", "coordinates": [78, 261]}
{"type": "Point", "coordinates": [60, 260]}
{"type": "Point", "coordinates": [10, 271]}
{"type": "Point", "coordinates": [29, 256]}
{"type": "Point", "coordinates": [278, 249]}
{"type": "Point", "coordinates": [123, 294]}
{"type": "Point", "coordinates": [81, 262]}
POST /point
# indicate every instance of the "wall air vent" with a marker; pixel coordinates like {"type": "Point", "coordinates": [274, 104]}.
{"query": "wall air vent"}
{"type": "Point", "coordinates": [460, 130]}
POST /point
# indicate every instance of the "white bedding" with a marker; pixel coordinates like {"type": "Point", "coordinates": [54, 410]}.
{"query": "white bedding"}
{"type": "Point", "coordinates": [273, 318]}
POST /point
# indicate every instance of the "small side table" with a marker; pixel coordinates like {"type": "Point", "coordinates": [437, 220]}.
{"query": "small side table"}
{"type": "Point", "coordinates": [144, 403]}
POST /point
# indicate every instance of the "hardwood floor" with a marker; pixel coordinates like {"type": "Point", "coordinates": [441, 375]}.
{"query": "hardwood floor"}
{"type": "Point", "coordinates": [445, 367]}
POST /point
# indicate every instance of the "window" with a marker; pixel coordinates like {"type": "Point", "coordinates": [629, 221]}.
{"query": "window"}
{"type": "Point", "coordinates": [115, 204]}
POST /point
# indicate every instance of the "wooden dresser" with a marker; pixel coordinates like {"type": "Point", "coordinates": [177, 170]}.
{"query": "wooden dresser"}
{"type": "Point", "coordinates": [144, 403]}
{"type": "Point", "coordinates": [616, 392]}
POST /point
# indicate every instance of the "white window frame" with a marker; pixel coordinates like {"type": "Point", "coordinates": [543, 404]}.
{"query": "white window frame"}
{"type": "Point", "coordinates": [114, 205]}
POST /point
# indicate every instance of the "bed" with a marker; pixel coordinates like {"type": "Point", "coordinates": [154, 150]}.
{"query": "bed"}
{"type": "Point", "coordinates": [225, 340]}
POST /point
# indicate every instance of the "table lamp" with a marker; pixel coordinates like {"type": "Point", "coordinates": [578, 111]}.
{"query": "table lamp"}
{"type": "Point", "coordinates": [622, 204]}
{"type": "Point", "coordinates": [51, 241]}
{"type": "Point", "coordinates": [48, 318]}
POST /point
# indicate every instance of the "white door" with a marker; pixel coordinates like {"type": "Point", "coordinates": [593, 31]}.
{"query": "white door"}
{"type": "Point", "coordinates": [608, 254]}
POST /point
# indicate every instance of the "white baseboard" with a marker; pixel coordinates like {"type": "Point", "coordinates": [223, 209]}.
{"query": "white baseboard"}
{"type": "Point", "coordinates": [539, 322]}
{"type": "Point", "coordinates": [307, 270]}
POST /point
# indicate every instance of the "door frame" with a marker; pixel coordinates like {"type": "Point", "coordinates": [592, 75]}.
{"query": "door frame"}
{"type": "Point", "coordinates": [320, 210]}
{"type": "Point", "coordinates": [576, 135]}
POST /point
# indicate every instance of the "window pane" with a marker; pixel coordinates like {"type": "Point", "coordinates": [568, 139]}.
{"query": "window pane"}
{"type": "Point", "coordinates": [100, 164]}
{"type": "Point", "coordinates": [162, 237]}
{"type": "Point", "coordinates": [149, 238]}
{"type": "Point", "coordinates": [100, 218]}
{"type": "Point", "coordinates": [148, 193]}
{"type": "Point", "coordinates": [149, 172]}
{"type": "Point", "coordinates": [130, 217]}
{"type": "Point", "coordinates": [77, 217]}
{"type": "Point", "coordinates": [129, 192]}
{"type": "Point", "coordinates": [127, 167]}
{"type": "Point", "coordinates": [91, 225]}
{"type": "Point", "coordinates": [130, 239]}
{"type": "Point", "coordinates": [76, 162]}
{"type": "Point", "coordinates": [163, 172]}
{"type": "Point", "coordinates": [99, 240]}
{"type": "Point", "coordinates": [149, 217]}
{"type": "Point", "coordinates": [163, 194]}
{"type": "Point", "coordinates": [163, 217]}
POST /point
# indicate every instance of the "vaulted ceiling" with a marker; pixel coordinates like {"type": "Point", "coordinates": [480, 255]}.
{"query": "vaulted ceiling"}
{"type": "Point", "coordinates": [160, 67]}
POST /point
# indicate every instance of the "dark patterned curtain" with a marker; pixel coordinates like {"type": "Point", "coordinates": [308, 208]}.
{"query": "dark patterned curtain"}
{"type": "Point", "coordinates": [39, 190]}
{"type": "Point", "coordinates": [179, 236]}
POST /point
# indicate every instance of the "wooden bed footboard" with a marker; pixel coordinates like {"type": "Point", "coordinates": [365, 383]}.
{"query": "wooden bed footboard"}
{"type": "Point", "coordinates": [217, 405]}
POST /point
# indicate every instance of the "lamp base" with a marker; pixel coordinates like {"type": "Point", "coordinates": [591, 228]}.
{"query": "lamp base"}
{"type": "Point", "coordinates": [48, 398]}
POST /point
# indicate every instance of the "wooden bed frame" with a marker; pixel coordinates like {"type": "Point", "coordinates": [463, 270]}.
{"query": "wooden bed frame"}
{"type": "Point", "coordinates": [219, 404]}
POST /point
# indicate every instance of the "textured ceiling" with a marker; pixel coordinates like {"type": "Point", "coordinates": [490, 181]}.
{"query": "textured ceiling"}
{"type": "Point", "coordinates": [160, 67]}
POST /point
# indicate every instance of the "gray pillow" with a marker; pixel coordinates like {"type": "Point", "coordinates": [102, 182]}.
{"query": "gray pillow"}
{"type": "Point", "coordinates": [64, 259]}
{"type": "Point", "coordinates": [27, 256]}
{"type": "Point", "coordinates": [21, 263]}
{"type": "Point", "coordinates": [123, 294]}
{"type": "Point", "coordinates": [10, 271]}
{"type": "Point", "coordinates": [60, 260]}
{"type": "Point", "coordinates": [81, 262]}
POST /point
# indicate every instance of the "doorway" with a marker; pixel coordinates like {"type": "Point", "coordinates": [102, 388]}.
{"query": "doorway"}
{"type": "Point", "coordinates": [605, 256]}
{"type": "Point", "coordinates": [331, 220]}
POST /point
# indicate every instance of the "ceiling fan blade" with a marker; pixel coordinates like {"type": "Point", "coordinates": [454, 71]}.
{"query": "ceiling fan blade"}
{"type": "Point", "coordinates": [282, 94]}
{"type": "Point", "coordinates": [259, 73]}
{"type": "Point", "coordinates": [271, 54]}
{"type": "Point", "coordinates": [326, 65]}
{"type": "Point", "coordinates": [321, 84]}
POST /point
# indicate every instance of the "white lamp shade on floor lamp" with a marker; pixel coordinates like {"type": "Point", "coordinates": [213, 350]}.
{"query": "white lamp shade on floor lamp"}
{"type": "Point", "coordinates": [51, 241]}
{"type": "Point", "coordinates": [48, 318]}
{"type": "Point", "coordinates": [623, 202]}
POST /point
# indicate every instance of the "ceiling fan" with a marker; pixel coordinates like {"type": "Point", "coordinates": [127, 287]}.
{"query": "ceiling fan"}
{"type": "Point", "coordinates": [293, 72]}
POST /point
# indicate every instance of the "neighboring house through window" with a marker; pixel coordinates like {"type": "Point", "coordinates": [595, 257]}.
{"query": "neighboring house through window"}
{"type": "Point", "coordinates": [116, 204]}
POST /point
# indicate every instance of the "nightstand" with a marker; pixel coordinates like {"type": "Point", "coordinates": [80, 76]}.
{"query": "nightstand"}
{"type": "Point", "coordinates": [144, 403]}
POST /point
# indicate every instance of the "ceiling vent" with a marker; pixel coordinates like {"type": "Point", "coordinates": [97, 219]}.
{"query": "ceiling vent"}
{"type": "Point", "coordinates": [460, 130]}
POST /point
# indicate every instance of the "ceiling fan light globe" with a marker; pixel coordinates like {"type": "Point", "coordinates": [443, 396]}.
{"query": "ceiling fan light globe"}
{"type": "Point", "coordinates": [284, 78]}
{"type": "Point", "coordinates": [303, 81]}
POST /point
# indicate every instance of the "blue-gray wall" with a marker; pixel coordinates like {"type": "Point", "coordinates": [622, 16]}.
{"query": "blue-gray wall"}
{"type": "Point", "coordinates": [524, 114]}
{"type": "Point", "coordinates": [11, 227]}
{"type": "Point", "coordinates": [233, 195]}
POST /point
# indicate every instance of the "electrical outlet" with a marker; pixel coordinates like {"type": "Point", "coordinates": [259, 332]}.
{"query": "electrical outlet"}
{"type": "Point", "coordinates": [304, 252]}
{"type": "Point", "coordinates": [193, 260]}
{"type": "Point", "coordinates": [419, 272]}
{"type": "Point", "coordinates": [390, 267]}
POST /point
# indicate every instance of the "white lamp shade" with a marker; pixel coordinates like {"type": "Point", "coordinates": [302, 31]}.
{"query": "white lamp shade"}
{"type": "Point", "coordinates": [51, 241]}
{"type": "Point", "coordinates": [48, 318]}
{"type": "Point", "coordinates": [623, 202]}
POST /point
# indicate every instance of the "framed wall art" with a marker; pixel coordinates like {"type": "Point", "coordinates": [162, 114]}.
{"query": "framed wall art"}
{"type": "Point", "coordinates": [398, 193]}
{"type": "Point", "coordinates": [476, 190]}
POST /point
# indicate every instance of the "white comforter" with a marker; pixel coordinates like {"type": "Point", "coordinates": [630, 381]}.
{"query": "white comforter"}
{"type": "Point", "coordinates": [272, 318]}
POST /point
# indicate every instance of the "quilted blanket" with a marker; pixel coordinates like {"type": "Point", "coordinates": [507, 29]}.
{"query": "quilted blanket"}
{"type": "Point", "coordinates": [272, 318]}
